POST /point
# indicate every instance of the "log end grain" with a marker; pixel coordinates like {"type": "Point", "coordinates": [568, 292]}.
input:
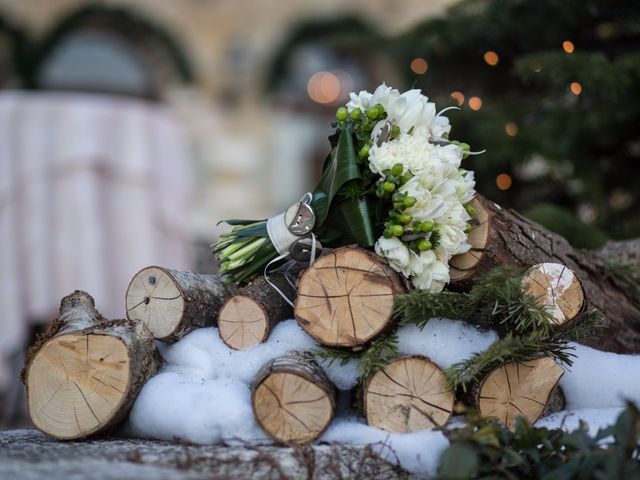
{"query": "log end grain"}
{"type": "Point", "coordinates": [243, 322]}
{"type": "Point", "coordinates": [155, 298]}
{"type": "Point", "coordinates": [409, 394]}
{"type": "Point", "coordinates": [520, 389]}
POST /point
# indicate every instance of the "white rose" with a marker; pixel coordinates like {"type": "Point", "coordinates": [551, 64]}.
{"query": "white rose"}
{"type": "Point", "coordinates": [396, 253]}
{"type": "Point", "coordinates": [451, 238]}
{"type": "Point", "coordinates": [465, 189]}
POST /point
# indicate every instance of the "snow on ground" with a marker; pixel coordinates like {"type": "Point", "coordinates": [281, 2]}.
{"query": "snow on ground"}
{"type": "Point", "coordinates": [202, 394]}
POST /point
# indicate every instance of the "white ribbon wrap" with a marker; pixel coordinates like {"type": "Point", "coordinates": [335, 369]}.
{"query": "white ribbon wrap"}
{"type": "Point", "coordinates": [279, 234]}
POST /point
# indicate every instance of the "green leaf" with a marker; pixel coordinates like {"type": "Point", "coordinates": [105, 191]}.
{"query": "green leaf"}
{"type": "Point", "coordinates": [458, 462]}
{"type": "Point", "coordinates": [352, 219]}
{"type": "Point", "coordinates": [341, 167]}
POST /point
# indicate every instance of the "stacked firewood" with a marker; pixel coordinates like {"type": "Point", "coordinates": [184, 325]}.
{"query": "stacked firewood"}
{"type": "Point", "coordinates": [83, 376]}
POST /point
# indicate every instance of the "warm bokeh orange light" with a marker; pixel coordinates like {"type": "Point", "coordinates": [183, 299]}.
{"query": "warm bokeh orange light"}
{"type": "Point", "coordinates": [458, 97]}
{"type": "Point", "coordinates": [475, 103]}
{"type": "Point", "coordinates": [323, 87]}
{"type": "Point", "coordinates": [503, 181]}
{"type": "Point", "coordinates": [568, 46]}
{"type": "Point", "coordinates": [576, 88]}
{"type": "Point", "coordinates": [511, 129]}
{"type": "Point", "coordinates": [491, 58]}
{"type": "Point", "coordinates": [419, 66]}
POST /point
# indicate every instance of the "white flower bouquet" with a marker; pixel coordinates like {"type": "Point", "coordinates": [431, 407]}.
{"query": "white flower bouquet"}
{"type": "Point", "coordinates": [392, 181]}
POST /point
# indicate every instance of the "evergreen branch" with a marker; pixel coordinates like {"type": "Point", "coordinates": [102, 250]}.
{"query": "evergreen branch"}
{"type": "Point", "coordinates": [332, 354]}
{"type": "Point", "coordinates": [508, 349]}
{"type": "Point", "coordinates": [418, 307]}
{"type": "Point", "coordinates": [581, 327]}
{"type": "Point", "coordinates": [377, 355]}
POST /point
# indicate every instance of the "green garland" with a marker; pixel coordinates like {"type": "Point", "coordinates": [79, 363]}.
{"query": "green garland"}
{"type": "Point", "coordinates": [496, 300]}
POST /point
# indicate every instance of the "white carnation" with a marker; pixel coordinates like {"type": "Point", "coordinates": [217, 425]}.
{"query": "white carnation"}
{"type": "Point", "coordinates": [396, 253]}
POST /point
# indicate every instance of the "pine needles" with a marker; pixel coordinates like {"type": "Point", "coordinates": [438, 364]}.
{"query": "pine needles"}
{"type": "Point", "coordinates": [496, 300]}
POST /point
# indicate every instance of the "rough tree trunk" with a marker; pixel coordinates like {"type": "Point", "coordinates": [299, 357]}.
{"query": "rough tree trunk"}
{"type": "Point", "coordinates": [505, 237]}
{"type": "Point", "coordinates": [293, 399]}
{"type": "Point", "coordinates": [408, 395]}
{"type": "Point", "coordinates": [528, 389]}
{"type": "Point", "coordinates": [83, 376]}
{"type": "Point", "coordinates": [248, 317]}
{"type": "Point", "coordinates": [345, 298]}
{"type": "Point", "coordinates": [173, 303]}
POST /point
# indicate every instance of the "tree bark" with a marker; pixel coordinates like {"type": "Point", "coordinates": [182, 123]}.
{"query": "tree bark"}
{"type": "Point", "coordinates": [172, 303]}
{"type": "Point", "coordinates": [248, 317]}
{"type": "Point", "coordinates": [528, 389]}
{"type": "Point", "coordinates": [84, 374]}
{"type": "Point", "coordinates": [345, 298]}
{"type": "Point", "coordinates": [293, 399]}
{"type": "Point", "coordinates": [503, 236]}
{"type": "Point", "coordinates": [407, 395]}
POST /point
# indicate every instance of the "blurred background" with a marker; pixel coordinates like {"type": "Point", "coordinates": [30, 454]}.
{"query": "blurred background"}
{"type": "Point", "coordinates": [129, 128]}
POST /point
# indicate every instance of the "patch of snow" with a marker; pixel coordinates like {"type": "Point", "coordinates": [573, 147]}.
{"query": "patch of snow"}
{"type": "Point", "coordinates": [202, 394]}
{"type": "Point", "coordinates": [600, 379]}
{"type": "Point", "coordinates": [569, 420]}
{"type": "Point", "coordinates": [444, 341]}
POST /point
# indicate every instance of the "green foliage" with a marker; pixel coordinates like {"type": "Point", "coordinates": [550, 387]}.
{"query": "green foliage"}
{"type": "Point", "coordinates": [565, 223]}
{"type": "Point", "coordinates": [576, 151]}
{"type": "Point", "coordinates": [497, 300]}
{"type": "Point", "coordinates": [372, 358]}
{"type": "Point", "coordinates": [485, 448]}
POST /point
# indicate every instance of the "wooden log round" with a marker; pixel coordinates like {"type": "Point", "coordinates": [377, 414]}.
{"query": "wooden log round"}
{"type": "Point", "coordinates": [463, 266]}
{"type": "Point", "coordinates": [345, 298]}
{"type": "Point", "coordinates": [83, 376]}
{"type": "Point", "coordinates": [247, 318]}
{"type": "Point", "coordinates": [407, 395]}
{"type": "Point", "coordinates": [557, 288]}
{"type": "Point", "coordinates": [293, 399]}
{"type": "Point", "coordinates": [172, 303]}
{"type": "Point", "coordinates": [528, 389]}
{"type": "Point", "coordinates": [512, 239]}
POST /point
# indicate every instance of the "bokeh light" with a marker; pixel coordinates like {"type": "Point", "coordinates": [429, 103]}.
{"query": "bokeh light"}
{"type": "Point", "coordinates": [491, 58]}
{"type": "Point", "coordinates": [503, 181]}
{"type": "Point", "coordinates": [511, 129]}
{"type": "Point", "coordinates": [475, 103]}
{"type": "Point", "coordinates": [324, 87]}
{"type": "Point", "coordinates": [458, 97]}
{"type": "Point", "coordinates": [419, 66]}
{"type": "Point", "coordinates": [576, 88]}
{"type": "Point", "coordinates": [568, 46]}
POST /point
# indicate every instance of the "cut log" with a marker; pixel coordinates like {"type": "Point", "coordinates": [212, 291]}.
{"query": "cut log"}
{"type": "Point", "coordinates": [173, 303]}
{"type": "Point", "coordinates": [248, 317]}
{"type": "Point", "coordinates": [83, 376]}
{"type": "Point", "coordinates": [509, 238]}
{"type": "Point", "coordinates": [557, 288]}
{"type": "Point", "coordinates": [528, 389]}
{"type": "Point", "coordinates": [292, 398]}
{"type": "Point", "coordinates": [409, 394]}
{"type": "Point", "coordinates": [345, 298]}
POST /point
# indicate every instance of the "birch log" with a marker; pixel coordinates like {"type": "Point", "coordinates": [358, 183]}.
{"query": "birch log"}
{"type": "Point", "coordinates": [247, 318]}
{"type": "Point", "coordinates": [345, 298]}
{"type": "Point", "coordinates": [502, 236]}
{"type": "Point", "coordinates": [407, 395]}
{"type": "Point", "coordinates": [293, 399]}
{"type": "Point", "coordinates": [528, 389]}
{"type": "Point", "coordinates": [172, 303]}
{"type": "Point", "coordinates": [83, 376]}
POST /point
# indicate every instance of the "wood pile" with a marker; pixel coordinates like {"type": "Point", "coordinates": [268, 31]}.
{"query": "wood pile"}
{"type": "Point", "coordinates": [84, 374]}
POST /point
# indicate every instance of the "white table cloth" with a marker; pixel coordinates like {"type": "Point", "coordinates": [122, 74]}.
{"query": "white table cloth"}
{"type": "Point", "coordinates": [92, 188]}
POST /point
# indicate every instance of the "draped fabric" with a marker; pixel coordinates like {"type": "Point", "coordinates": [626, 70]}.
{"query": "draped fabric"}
{"type": "Point", "coordinates": [92, 189]}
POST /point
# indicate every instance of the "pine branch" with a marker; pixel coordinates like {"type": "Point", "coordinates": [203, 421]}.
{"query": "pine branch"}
{"type": "Point", "coordinates": [377, 355]}
{"type": "Point", "coordinates": [580, 327]}
{"type": "Point", "coordinates": [418, 307]}
{"type": "Point", "coordinates": [508, 349]}
{"type": "Point", "coordinates": [333, 354]}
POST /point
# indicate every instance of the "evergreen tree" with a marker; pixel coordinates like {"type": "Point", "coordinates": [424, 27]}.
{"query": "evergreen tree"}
{"type": "Point", "coordinates": [558, 83]}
